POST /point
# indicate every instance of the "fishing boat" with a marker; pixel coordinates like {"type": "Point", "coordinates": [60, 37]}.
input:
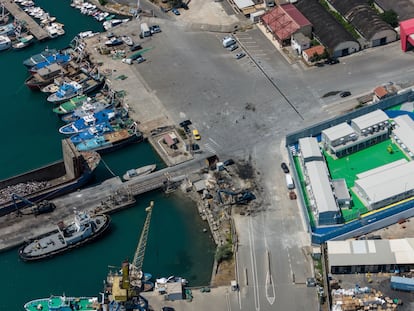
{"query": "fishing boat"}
{"type": "Point", "coordinates": [70, 105]}
{"type": "Point", "coordinates": [91, 105]}
{"type": "Point", "coordinates": [38, 58]}
{"type": "Point", "coordinates": [58, 58]}
{"type": "Point", "coordinates": [48, 74]}
{"type": "Point", "coordinates": [63, 303]}
{"type": "Point", "coordinates": [23, 42]}
{"type": "Point", "coordinates": [113, 141]}
{"type": "Point", "coordinates": [144, 170]}
{"type": "Point", "coordinates": [7, 29]}
{"type": "Point", "coordinates": [65, 92]}
{"type": "Point", "coordinates": [5, 43]}
{"type": "Point", "coordinates": [91, 132]}
{"type": "Point", "coordinates": [88, 121]}
{"type": "Point", "coordinates": [84, 229]}
{"type": "Point", "coordinates": [113, 22]}
{"type": "Point", "coordinates": [54, 86]}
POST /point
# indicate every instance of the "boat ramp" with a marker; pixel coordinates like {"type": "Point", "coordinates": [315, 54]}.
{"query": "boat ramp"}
{"type": "Point", "coordinates": [34, 28]}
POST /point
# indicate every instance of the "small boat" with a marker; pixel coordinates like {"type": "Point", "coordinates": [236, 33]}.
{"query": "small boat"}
{"type": "Point", "coordinates": [87, 34]}
{"type": "Point", "coordinates": [113, 141]}
{"type": "Point", "coordinates": [127, 40]}
{"type": "Point", "coordinates": [85, 228]}
{"type": "Point", "coordinates": [23, 42]}
{"type": "Point", "coordinates": [7, 29]}
{"type": "Point", "coordinates": [144, 170]}
{"type": "Point", "coordinates": [54, 86]}
{"type": "Point", "coordinates": [108, 24]}
{"type": "Point", "coordinates": [114, 41]}
{"type": "Point", "coordinates": [63, 303]}
{"type": "Point", "coordinates": [5, 43]}
{"type": "Point", "coordinates": [65, 92]}
{"type": "Point", "coordinates": [38, 58]}
{"type": "Point", "coordinates": [88, 121]}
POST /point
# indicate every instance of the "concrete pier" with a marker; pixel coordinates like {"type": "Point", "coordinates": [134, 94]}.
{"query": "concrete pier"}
{"type": "Point", "coordinates": [108, 197]}
{"type": "Point", "coordinates": [34, 28]}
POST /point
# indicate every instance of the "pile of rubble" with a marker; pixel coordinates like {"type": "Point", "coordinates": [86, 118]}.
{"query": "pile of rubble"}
{"type": "Point", "coordinates": [218, 191]}
{"type": "Point", "coordinates": [363, 298]}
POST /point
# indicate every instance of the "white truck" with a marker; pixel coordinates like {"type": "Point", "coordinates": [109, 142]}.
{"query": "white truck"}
{"type": "Point", "coordinates": [145, 31]}
{"type": "Point", "coordinates": [227, 41]}
{"type": "Point", "coordinates": [289, 182]}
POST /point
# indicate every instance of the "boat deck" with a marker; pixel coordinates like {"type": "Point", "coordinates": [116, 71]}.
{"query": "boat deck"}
{"type": "Point", "coordinates": [35, 29]}
{"type": "Point", "coordinates": [116, 136]}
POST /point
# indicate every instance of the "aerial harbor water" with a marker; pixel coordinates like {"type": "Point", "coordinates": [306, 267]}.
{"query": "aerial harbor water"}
{"type": "Point", "coordinates": [176, 244]}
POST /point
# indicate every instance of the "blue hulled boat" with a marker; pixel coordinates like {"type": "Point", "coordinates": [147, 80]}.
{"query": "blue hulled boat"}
{"type": "Point", "coordinates": [89, 121]}
{"type": "Point", "coordinates": [38, 58]}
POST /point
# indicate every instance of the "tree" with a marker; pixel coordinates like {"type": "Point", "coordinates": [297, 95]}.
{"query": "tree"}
{"type": "Point", "coordinates": [390, 17]}
{"type": "Point", "coordinates": [224, 252]}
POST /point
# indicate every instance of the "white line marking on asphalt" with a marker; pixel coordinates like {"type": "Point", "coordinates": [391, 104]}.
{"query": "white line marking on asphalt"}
{"type": "Point", "coordinates": [214, 142]}
{"type": "Point", "coordinates": [208, 147]}
{"type": "Point", "coordinates": [254, 270]}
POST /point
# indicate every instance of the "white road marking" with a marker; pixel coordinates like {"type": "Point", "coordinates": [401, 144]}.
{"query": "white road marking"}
{"type": "Point", "coordinates": [214, 142]}
{"type": "Point", "coordinates": [254, 270]}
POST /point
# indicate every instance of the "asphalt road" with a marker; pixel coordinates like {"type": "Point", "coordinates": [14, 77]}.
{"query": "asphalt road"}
{"type": "Point", "coordinates": [243, 109]}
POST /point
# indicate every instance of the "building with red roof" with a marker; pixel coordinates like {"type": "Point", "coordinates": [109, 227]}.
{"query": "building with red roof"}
{"type": "Point", "coordinates": [285, 20]}
{"type": "Point", "coordinates": [407, 34]}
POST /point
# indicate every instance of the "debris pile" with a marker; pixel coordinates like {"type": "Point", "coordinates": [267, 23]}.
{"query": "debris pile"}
{"type": "Point", "coordinates": [363, 298]}
{"type": "Point", "coordinates": [22, 189]}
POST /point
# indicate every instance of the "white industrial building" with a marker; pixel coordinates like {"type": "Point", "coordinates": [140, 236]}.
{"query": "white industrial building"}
{"type": "Point", "coordinates": [316, 174]}
{"type": "Point", "coordinates": [364, 131]}
{"type": "Point", "coordinates": [385, 185]}
{"type": "Point", "coordinates": [361, 256]}
{"type": "Point", "coordinates": [403, 134]}
{"type": "Point", "coordinates": [309, 149]}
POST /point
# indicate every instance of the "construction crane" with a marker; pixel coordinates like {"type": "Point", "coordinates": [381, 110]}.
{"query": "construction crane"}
{"type": "Point", "coordinates": [135, 267]}
{"type": "Point", "coordinates": [125, 288]}
{"type": "Point", "coordinates": [40, 208]}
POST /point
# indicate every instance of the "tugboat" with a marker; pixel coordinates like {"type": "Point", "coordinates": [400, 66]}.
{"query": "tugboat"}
{"type": "Point", "coordinates": [84, 229]}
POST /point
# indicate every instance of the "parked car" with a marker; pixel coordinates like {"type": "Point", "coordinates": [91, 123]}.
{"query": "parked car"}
{"type": "Point", "coordinates": [240, 55]}
{"type": "Point", "coordinates": [292, 195]}
{"type": "Point", "coordinates": [185, 123]}
{"type": "Point", "coordinates": [345, 94]}
{"type": "Point", "coordinates": [285, 168]}
{"type": "Point", "coordinates": [332, 61]}
{"type": "Point", "coordinates": [135, 47]}
{"type": "Point", "coordinates": [155, 29]}
{"type": "Point", "coordinates": [232, 47]}
{"type": "Point", "coordinates": [167, 309]}
{"type": "Point", "coordinates": [175, 11]}
{"type": "Point", "coordinates": [196, 134]}
{"type": "Point", "coordinates": [228, 162]}
{"type": "Point", "coordinates": [140, 60]}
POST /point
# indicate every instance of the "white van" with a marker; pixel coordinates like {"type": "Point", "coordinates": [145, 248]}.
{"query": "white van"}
{"type": "Point", "coordinates": [227, 41]}
{"type": "Point", "coordinates": [145, 31]}
{"type": "Point", "coordinates": [289, 182]}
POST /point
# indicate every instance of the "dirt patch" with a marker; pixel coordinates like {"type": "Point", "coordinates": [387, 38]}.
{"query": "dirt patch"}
{"type": "Point", "coordinates": [225, 273]}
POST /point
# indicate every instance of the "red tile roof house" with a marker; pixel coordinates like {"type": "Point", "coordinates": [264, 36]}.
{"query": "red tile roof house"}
{"type": "Point", "coordinates": [309, 53]}
{"type": "Point", "coordinates": [284, 21]}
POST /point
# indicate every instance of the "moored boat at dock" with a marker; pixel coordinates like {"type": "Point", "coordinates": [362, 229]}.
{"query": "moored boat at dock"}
{"type": "Point", "coordinates": [5, 43]}
{"type": "Point", "coordinates": [38, 58]}
{"type": "Point", "coordinates": [144, 170]}
{"type": "Point", "coordinates": [84, 229]}
{"type": "Point", "coordinates": [63, 303]}
{"type": "Point", "coordinates": [23, 42]}
{"type": "Point", "coordinates": [74, 111]}
{"type": "Point", "coordinates": [113, 141]}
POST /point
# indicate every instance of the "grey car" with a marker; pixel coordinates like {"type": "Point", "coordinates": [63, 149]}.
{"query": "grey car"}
{"type": "Point", "coordinates": [232, 47]}
{"type": "Point", "coordinates": [240, 55]}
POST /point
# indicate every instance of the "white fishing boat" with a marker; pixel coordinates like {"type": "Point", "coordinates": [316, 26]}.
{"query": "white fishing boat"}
{"type": "Point", "coordinates": [145, 170]}
{"type": "Point", "coordinates": [114, 22]}
{"type": "Point", "coordinates": [5, 43]}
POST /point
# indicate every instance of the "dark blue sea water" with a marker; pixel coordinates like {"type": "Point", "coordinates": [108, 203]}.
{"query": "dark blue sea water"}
{"type": "Point", "coordinates": [176, 244]}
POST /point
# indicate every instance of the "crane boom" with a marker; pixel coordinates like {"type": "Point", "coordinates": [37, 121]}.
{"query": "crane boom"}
{"type": "Point", "coordinates": [140, 251]}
